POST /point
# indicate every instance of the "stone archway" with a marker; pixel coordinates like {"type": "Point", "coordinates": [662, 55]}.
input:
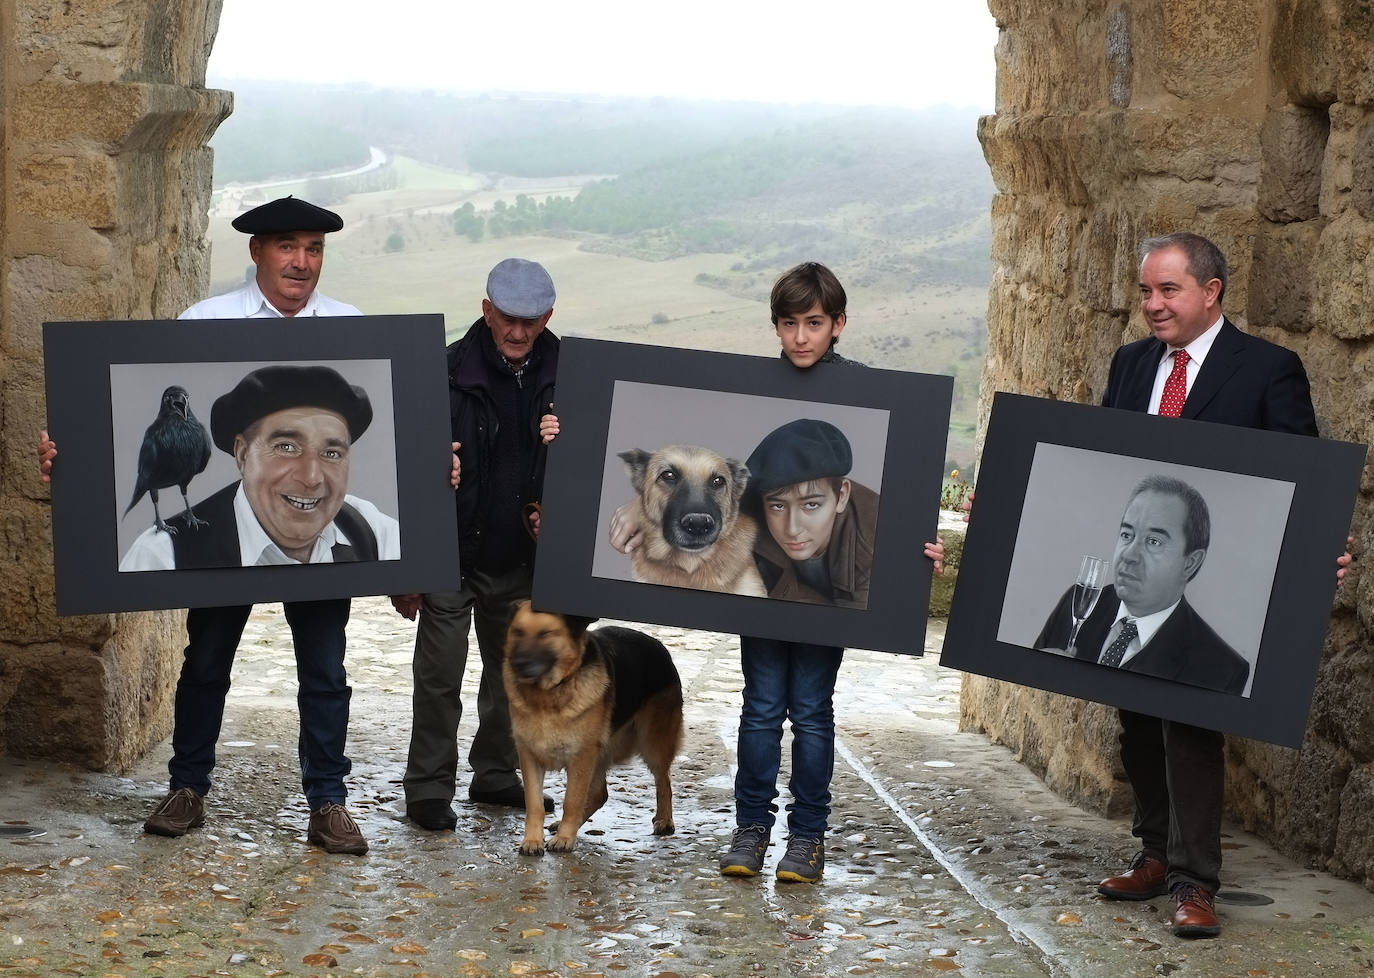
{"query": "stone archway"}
{"type": "Point", "coordinates": [103, 201]}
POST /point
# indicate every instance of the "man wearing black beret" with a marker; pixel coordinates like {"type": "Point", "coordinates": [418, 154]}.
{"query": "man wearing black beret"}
{"type": "Point", "coordinates": [290, 429]}
{"type": "Point", "coordinates": [287, 248]}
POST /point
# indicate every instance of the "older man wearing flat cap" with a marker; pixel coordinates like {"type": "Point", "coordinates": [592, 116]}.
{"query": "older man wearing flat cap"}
{"type": "Point", "coordinates": [501, 379]}
{"type": "Point", "coordinates": [287, 248]}
{"type": "Point", "coordinates": [290, 430]}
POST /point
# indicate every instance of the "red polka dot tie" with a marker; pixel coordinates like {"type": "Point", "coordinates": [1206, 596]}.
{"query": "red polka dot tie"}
{"type": "Point", "coordinates": [1175, 388]}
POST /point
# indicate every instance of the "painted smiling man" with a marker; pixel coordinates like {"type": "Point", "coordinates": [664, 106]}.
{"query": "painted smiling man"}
{"type": "Point", "coordinates": [290, 429]}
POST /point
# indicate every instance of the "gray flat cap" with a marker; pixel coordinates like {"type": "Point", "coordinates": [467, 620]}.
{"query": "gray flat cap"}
{"type": "Point", "coordinates": [520, 288]}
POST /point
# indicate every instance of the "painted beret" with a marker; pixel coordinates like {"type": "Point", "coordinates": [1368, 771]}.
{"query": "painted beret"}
{"type": "Point", "coordinates": [281, 386]}
{"type": "Point", "coordinates": [520, 288]}
{"type": "Point", "coordinates": [286, 214]}
{"type": "Point", "coordinates": [799, 451]}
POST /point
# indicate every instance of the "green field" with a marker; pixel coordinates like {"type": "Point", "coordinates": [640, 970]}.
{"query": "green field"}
{"type": "Point", "coordinates": [398, 253]}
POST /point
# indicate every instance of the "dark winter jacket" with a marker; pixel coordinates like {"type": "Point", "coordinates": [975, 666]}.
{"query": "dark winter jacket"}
{"type": "Point", "coordinates": [476, 376]}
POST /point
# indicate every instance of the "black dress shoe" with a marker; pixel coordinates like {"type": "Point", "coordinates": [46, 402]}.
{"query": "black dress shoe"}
{"type": "Point", "coordinates": [512, 797]}
{"type": "Point", "coordinates": [434, 814]}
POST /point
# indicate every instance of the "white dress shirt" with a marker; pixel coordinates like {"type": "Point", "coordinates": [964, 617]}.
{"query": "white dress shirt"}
{"type": "Point", "coordinates": [248, 302]}
{"type": "Point", "coordinates": [1146, 626]}
{"type": "Point", "coordinates": [1197, 352]}
{"type": "Point", "coordinates": [152, 549]}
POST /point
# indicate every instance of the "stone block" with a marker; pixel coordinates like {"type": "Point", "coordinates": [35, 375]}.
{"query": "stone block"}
{"type": "Point", "coordinates": [1338, 170]}
{"type": "Point", "coordinates": [1206, 49]}
{"type": "Point", "coordinates": [1343, 278]}
{"type": "Point", "coordinates": [1306, 800]}
{"type": "Point", "coordinates": [1293, 148]}
{"type": "Point", "coordinates": [1281, 275]}
{"type": "Point", "coordinates": [57, 707]}
{"type": "Point", "coordinates": [942, 585]}
{"type": "Point", "coordinates": [1353, 853]}
{"type": "Point", "coordinates": [1305, 53]}
{"type": "Point", "coordinates": [77, 187]}
{"type": "Point", "coordinates": [1362, 168]}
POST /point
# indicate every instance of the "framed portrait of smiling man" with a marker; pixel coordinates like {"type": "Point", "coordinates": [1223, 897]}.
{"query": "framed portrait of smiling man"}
{"type": "Point", "coordinates": [1175, 568]}
{"type": "Point", "coordinates": [764, 500]}
{"type": "Point", "coordinates": [223, 462]}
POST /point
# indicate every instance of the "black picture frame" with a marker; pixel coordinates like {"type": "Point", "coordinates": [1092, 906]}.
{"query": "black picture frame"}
{"type": "Point", "coordinates": [409, 435]}
{"type": "Point", "coordinates": [1054, 479]}
{"type": "Point", "coordinates": [579, 488]}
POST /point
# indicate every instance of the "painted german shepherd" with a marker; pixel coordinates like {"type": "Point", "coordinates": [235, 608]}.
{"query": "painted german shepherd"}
{"type": "Point", "coordinates": [689, 512]}
{"type": "Point", "coordinates": [582, 701]}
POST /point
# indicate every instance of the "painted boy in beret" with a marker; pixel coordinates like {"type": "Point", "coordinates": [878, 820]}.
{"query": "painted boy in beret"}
{"type": "Point", "coordinates": [821, 523]}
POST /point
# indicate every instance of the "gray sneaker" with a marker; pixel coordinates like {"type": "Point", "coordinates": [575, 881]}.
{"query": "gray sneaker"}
{"type": "Point", "coordinates": [745, 855]}
{"type": "Point", "coordinates": [804, 860]}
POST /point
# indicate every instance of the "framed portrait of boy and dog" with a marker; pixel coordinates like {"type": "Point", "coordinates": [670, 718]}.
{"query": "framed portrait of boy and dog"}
{"type": "Point", "coordinates": [740, 494]}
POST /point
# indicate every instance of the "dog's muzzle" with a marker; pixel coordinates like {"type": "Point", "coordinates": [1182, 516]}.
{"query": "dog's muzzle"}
{"type": "Point", "coordinates": [530, 664]}
{"type": "Point", "coordinates": [694, 531]}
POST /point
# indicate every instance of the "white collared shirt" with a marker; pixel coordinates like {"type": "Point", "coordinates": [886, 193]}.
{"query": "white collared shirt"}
{"type": "Point", "coordinates": [248, 302]}
{"type": "Point", "coordinates": [1145, 628]}
{"type": "Point", "coordinates": [1197, 352]}
{"type": "Point", "coordinates": [152, 549]}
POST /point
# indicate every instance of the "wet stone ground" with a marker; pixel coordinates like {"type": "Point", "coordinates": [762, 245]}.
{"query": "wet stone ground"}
{"type": "Point", "coordinates": [945, 856]}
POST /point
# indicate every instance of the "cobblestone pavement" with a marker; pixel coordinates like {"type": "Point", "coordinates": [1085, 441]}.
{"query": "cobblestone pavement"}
{"type": "Point", "coordinates": [945, 856]}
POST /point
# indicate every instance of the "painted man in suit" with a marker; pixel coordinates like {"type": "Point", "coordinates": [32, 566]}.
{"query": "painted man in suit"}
{"type": "Point", "coordinates": [1142, 621]}
{"type": "Point", "coordinates": [1196, 365]}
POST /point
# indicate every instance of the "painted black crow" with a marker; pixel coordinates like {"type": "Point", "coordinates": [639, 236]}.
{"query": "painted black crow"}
{"type": "Point", "coordinates": [176, 448]}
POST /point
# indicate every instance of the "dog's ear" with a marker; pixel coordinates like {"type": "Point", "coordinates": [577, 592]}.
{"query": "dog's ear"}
{"type": "Point", "coordinates": [636, 463]}
{"type": "Point", "coordinates": [514, 609]}
{"type": "Point", "coordinates": [577, 625]}
{"type": "Point", "coordinates": [739, 472]}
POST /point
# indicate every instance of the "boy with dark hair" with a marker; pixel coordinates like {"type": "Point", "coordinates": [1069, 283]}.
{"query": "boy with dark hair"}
{"type": "Point", "coordinates": [791, 681]}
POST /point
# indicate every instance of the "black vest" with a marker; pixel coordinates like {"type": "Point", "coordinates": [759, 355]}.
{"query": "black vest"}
{"type": "Point", "coordinates": [217, 545]}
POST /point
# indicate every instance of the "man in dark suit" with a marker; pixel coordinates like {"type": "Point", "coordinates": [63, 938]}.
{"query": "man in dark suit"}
{"type": "Point", "coordinates": [1196, 365]}
{"type": "Point", "coordinates": [1143, 622]}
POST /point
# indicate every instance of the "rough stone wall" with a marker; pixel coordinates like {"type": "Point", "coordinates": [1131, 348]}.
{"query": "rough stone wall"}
{"type": "Point", "coordinates": [104, 189]}
{"type": "Point", "coordinates": [1252, 122]}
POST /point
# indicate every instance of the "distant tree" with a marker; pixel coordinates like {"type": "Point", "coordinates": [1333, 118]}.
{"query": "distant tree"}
{"type": "Point", "coordinates": [467, 222]}
{"type": "Point", "coordinates": [395, 242]}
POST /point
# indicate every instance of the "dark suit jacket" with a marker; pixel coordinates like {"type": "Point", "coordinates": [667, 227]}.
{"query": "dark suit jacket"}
{"type": "Point", "coordinates": [1185, 648]}
{"type": "Point", "coordinates": [1244, 381]}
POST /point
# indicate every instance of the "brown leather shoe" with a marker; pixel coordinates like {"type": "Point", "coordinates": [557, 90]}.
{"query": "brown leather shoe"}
{"type": "Point", "coordinates": [176, 814]}
{"type": "Point", "coordinates": [1194, 912]}
{"type": "Point", "coordinates": [333, 830]}
{"type": "Point", "coordinates": [1143, 881]}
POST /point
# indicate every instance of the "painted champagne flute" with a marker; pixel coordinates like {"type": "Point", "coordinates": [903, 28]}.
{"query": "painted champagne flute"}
{"type": "Point", "coordinates": [1092, 578]}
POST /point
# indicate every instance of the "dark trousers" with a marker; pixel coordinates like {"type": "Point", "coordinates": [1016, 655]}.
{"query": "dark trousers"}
{"type": "Point", "coordinates": [441, 656]}
{"type": "Point", "coordinates": [317, 630]}
{"type": "Point", "coordinates": [793, 682]}
{"type": "Point", "coordinates": [1177, 773]}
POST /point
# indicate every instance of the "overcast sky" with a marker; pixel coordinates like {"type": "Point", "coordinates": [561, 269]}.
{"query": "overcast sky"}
{"type": "Point", "coordinates": [879, 52]}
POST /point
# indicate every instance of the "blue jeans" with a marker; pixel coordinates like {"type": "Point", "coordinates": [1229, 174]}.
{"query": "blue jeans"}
{"type": "Point", "coordinates": [317, 630]}
{"type": "Point", "coordinates": [786, 681]}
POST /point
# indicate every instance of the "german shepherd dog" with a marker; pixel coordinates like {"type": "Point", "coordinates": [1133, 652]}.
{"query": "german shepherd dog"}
{"type": "Point", "coordinates": [689, 513]}
{"type": "Point", "coordinates": [582, 701]}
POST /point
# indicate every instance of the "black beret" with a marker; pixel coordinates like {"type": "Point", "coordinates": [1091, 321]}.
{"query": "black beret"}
{"type": "Point", "coordinates": [799, 451]}
{"type": "Point", "coordinates": [287, 214]}
{"type": "Point", "coordinates": [282, 386]}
